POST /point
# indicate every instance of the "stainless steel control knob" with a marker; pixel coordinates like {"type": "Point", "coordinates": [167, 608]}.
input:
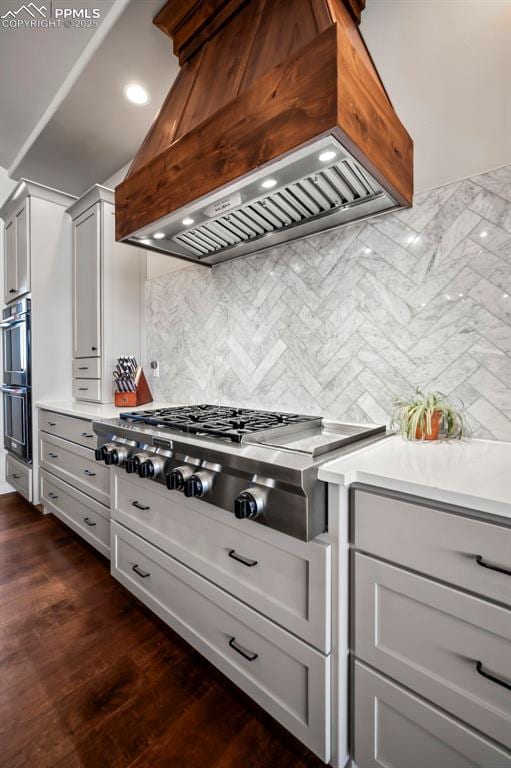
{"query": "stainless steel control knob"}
{"type": "Point", "coordinates": [199, 484]}
{"type": "Point", "coordinates": [152, 467]}
{"type": "Point", "coordinates": [249, 504]}
{"type": "Point", "coordinates": [104, 452]}
{"type": "Point", "coordinates": [134, 461]}
{"type": "Point", "coordinates": [176, 480]}
{"type": "Point", "coordinates": [119, 455]}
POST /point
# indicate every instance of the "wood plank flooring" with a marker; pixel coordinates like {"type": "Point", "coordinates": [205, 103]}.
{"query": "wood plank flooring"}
{"type": "Point", "coordinates": [89, 678]}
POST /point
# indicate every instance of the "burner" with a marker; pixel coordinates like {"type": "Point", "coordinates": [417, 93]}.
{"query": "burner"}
{"type": "Point", "coordinates": [215, 421]}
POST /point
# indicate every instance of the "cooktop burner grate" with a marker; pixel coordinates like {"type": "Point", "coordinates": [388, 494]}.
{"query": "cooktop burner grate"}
{"type": "Point", "coordinates": [216, 420]}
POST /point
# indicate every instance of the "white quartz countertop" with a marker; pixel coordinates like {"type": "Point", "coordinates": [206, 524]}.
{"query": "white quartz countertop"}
{"type": "Point", "coordinates": [471, 473]}
{"type": "Point", "coordinates": [95, 411]}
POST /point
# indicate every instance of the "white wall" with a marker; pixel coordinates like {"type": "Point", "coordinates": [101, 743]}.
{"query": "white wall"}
{"type": "Point", "coordinates": [6, 187]}
{"type": "Point", "coordinates": [157, 264]}
{"type": "Point", "coordinates": [447, 67]}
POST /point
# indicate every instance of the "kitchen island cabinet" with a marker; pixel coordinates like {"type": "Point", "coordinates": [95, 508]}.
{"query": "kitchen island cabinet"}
{"type": "Point", "coordinates": [429, 602]}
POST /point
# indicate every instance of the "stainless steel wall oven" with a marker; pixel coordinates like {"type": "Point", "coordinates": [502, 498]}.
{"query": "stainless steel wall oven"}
{"type": "Point", "coordinates": [16, 389]}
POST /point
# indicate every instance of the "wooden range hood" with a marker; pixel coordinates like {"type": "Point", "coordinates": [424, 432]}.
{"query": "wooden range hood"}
{"type": "Point", "coordinates": [280, 92]}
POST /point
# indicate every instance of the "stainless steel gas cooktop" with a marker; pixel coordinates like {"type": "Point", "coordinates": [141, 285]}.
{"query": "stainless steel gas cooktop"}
{"type": "Point", "coordinates": [216, 420]}
{"type": "Point", "coordinates": [259, 465]}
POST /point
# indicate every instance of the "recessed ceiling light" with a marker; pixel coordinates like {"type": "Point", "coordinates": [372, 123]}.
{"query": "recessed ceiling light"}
{"type": "Point", "coordinates": [159, 235]}
{"type": "Point", "coordinates": [483, 234]}
{"type": "Point", "coordinates": [135, 93]}
{"type": "Point", "coordinates": [269, 183]}
{"type": "Point", "coordinates": [188, 221]}
{"type": "Point", "coordinates": [328, 155]}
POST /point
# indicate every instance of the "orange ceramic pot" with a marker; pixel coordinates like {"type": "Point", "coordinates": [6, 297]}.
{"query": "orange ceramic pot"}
{"type": "Point", "coordinates": [436, 422]}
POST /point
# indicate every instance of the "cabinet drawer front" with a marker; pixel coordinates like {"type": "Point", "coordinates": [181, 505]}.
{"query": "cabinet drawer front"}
{"type": "Point", "coordinates": [87, 389]}
{"type": "Point", "coordinates": [19, 475]}
{"type": "Point", "coordinates": [75, 465]}
{"type": "Point", "coordinates": [431, 638]}
{"type": "Point", "coordinates": [85, 516]}
{"type": "Point", "coordinates": [70, 428]}
{"type": "Point", "coordinates": [87, 368]}
{"type": "Point", "coordinates": [287, 677]}
{"type": "Point", "coordinates": [395, 729]}
{"type": "Point", "coordinates": [286, 579]}
{"type": "Point", "coordinates": [440, 544]}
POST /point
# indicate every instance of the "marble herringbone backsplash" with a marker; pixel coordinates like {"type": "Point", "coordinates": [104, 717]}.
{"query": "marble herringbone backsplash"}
{"type": "Point", "coordinates": [340, 323]}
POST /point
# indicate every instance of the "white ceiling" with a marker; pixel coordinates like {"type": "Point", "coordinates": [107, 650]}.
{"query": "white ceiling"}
{"type": "Point", "coordinates": [445, 63]}
{"type": "Point", "coordinates": [447, 67]}
{"type": "Point", "coordinates": [33, 65]}
{"type": "Point", "coordinates": [95, 130]}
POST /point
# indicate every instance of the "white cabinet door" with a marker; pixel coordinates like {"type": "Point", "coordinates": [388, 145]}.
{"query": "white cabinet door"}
{"type": "Point", "coordinates": [17, 254]}
{"type": "Point", "coordinates": [87, 284]}
{"type": "Point", "coordinates": [22, 249]}
{"type": "Point", "coordinates": [10, 272]}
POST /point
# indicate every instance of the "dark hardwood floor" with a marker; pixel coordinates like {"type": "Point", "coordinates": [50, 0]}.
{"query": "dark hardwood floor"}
{"type": "Point", "coordinates": [89, 678]}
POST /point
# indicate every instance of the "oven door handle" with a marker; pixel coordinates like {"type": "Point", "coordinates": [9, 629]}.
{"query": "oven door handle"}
{"type": "Point", "coordinates": [11, 323]}
{"type": "Point", "coordinates": [14, 390]}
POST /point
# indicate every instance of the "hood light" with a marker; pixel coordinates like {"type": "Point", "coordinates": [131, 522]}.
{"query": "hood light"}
{"type": "Point", "coordinates": [159, 235]}
{"type": "Point", "coordinates": [269, 183]}
{"type": "Point", "coordinates": [135, 93]}
{"type": "Point", "coordinates": [188, 221]}
{"type": "Point", "coordinates": [328, 155]}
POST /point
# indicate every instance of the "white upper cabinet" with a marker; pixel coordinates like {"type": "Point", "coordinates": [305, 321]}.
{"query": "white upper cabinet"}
{"type": "Point", "coordinates": [17, 253]}
{"type": "Point", "coordinates": [10, 274]}
{"type": "Point", "coordinates": [87, 283]}
{"type": "Point", "coordinates": [108, 281]}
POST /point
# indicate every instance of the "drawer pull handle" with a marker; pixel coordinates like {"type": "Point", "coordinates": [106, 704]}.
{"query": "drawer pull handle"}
{"type": "Point", "coordinates": [139, 572]}
{"type": "Point", "coordinates": [52, 423]}
{"type": "Point", "coordinates": [138, 505]}
{"type": "Point", "coordinates": [89, 473]}
{"type": "Point", "coordinates": [248, 655]}
{"type": "Point", "coordinates": [489, 676]}
{"type": "Point", "coordinates": [240, 559]}
{"type": "Point", "coordinates": [83, 367]}
{"type": "Point", "coordinates": [16, 477]}
{"type": "Point", "coordinates": [499, 568]}
{"type": "Point", "coordinates": [53, 455]}
{"type": "Point", "coordinates": [83, 389]}
{"type": "Point", "coordinates": [87, 434]}
{"type": "Point", "coordinates": [89, 521]}
{"type": "Point", "coordinates": [52, 495]}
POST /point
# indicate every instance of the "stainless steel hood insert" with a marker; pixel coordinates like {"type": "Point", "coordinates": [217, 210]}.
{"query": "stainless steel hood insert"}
{"type": "Point", "coordinates": [317, 187]}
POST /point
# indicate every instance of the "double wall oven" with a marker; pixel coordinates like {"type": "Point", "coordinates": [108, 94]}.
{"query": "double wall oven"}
{"type": "Point", "coordinates": [16, 388]}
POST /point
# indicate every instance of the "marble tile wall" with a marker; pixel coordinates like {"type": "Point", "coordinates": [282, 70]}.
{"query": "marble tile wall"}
{"type": "Point", "coordinates": [342, 322]}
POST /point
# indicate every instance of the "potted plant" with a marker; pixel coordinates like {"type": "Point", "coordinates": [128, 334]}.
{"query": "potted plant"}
{"type": "Point", "coordinates": [427, 416]}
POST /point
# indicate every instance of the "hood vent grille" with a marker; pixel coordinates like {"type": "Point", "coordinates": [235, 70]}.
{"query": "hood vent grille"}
{"type": "Point", "coordinates": [339, 186]}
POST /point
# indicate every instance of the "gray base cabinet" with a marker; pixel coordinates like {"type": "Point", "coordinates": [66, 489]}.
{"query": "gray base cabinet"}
{"type": "Point", "coordinates": [73, 485]}
{"type": "Point", "coordinates": [430, 634]}
{"type": "Point", "coordinates": [396, 729]}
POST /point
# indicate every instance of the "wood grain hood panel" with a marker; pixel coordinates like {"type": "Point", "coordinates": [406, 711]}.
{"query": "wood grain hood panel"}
{"type": "Point", "coordinates": [258, 80]}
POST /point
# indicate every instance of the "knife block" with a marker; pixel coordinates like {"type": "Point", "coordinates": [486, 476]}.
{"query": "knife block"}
{"type": "Point", "coordinates": [141, 396]}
